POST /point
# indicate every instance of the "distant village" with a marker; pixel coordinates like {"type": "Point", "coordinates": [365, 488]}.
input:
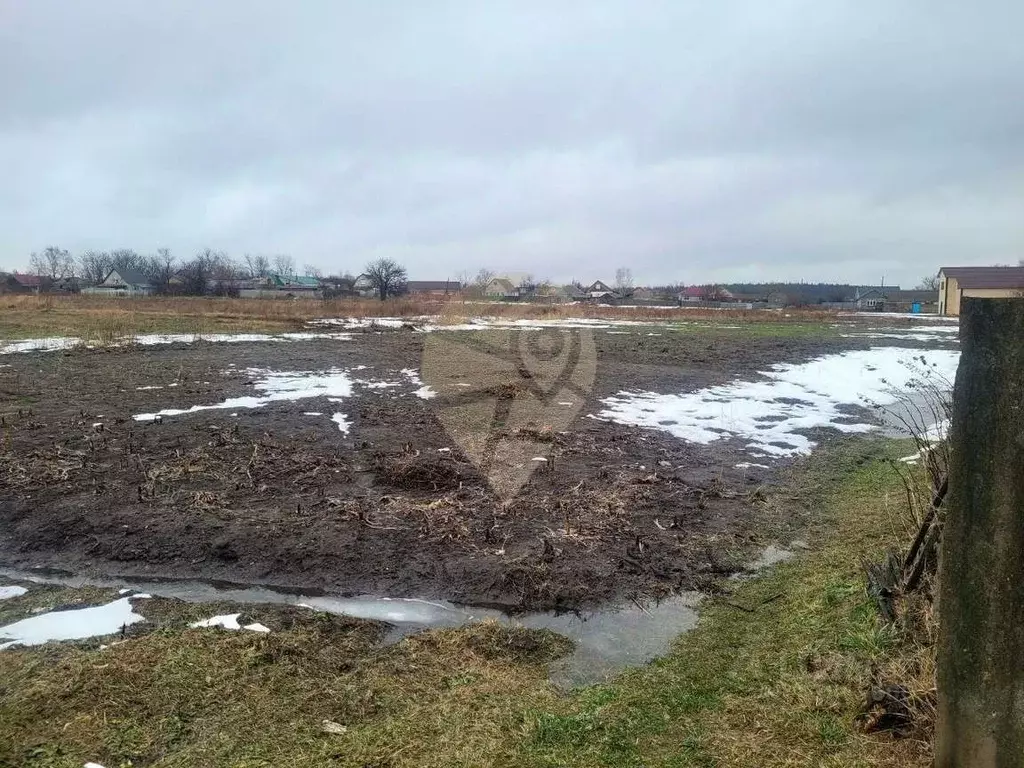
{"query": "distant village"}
{"type": "Point", "coordinates": [128, 274]}
{"type": "Point", "coordinates": [133, 282]}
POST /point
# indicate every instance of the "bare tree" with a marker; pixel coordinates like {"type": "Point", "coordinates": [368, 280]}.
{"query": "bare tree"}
{"type": "Point", "coordinates": [311, 270]}
{"type": "Point", "coordinates": [161, 271]}
{"type": "Point", "coordinates": [624, 280]}
{"type": "Point", "coordinates": [527, 286]}
{"type": "Point", "coordinates": [284, 265]}
{"type": "Point", "coordinates": [54, 263]}
{"type": "Point", "coordinates": [258, 265]}
{"type": "Point", "coordinates": [483, 277]}
{"type": "Point", "coordinates": [929, 283]}
{"type": "Point", "coordinates": [94, 266]}
{"type": "Point", "coordinates": [197, 274]}
{"type": "Point", "coordinates": [387, 277]}
{"type": "Point", "coordinates": [126, 258]}
{"type": "Point", "coordinates": [710, 293]}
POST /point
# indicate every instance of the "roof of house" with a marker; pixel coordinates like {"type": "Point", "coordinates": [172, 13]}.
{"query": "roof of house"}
{"type": "Point", "coordinates": [693, 290]}
{"type": "Point", "coordinates": [129, 276]}
{"type": "Point", "coordinates": [304, 281]}
{"type": "Point", "coordinates": [502, 283]}
{"type": "Point", "coordinates": [415, 286]}
{"type": "Point", "coordinates": [29, 281]}
{"type": "Point", "coordinates": [986, 277]}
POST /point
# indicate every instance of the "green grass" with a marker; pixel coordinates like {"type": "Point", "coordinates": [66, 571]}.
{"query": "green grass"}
{"type": "Point", "coordinates": [780, 686]}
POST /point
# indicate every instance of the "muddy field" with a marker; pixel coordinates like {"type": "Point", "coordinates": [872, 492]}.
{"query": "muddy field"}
{"type": "Point", "coordinates": [383, 500]}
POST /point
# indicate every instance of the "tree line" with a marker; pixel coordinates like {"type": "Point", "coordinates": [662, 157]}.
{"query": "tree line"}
{"type": "Point", "coordinates": [207, 272]}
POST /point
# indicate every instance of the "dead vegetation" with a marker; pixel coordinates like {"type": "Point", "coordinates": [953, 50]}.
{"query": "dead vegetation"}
{"type": "Point", "coordinates": [902, 695]}
{"type": "Point", "coordinates": [104, 320]}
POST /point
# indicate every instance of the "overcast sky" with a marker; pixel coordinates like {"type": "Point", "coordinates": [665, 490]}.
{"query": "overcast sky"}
{"type": "Point", "coordinates": [692, 141]}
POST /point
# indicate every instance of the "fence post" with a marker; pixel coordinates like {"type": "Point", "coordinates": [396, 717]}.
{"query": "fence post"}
{"type": "Point", "coordinates": [981, 575]}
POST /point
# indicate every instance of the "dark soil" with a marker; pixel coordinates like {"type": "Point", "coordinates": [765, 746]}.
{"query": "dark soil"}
{"type": "Point", "coordinates": [270, 496]}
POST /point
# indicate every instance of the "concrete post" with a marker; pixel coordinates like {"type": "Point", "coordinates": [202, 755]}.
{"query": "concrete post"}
{"type": "Point", "coordinates": [981, 574]}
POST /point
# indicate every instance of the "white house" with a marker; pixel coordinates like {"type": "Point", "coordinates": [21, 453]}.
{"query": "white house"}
{"type": "Point", "coordinates": [124, 282]}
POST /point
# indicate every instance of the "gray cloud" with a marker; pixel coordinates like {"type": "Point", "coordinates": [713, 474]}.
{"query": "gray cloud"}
{"type": "Point", "coordinates": [692, 141]}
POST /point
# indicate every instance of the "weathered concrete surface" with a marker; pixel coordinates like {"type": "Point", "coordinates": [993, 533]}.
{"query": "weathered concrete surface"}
{"type": "Point", "coordinates": [981, 590]}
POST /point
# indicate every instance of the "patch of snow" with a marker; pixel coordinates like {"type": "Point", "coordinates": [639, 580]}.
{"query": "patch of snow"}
{"type": "Point", "coordinates": [92, 765]}
{"type": "Point", "coordinates": [276, 386]}
{"type": "Point", "coordinates": [342, 421]}
{"type": "Point", "coordinates": [49, 344]}
{"type": "Point", "coordinates": [748, 465]}
{"type": "Point", "coordinates": [150, 386]}
{"type": "Point", "coordinates": [312, 413]}
{"type": "Point", "coordinates": [71, 624]}
{"type": "Point", "coordinates": [379, 384]}
{"type": "Point", "coordinates": [424, 392]}
{"type": "Point", "coordinates": [228, 621]}
{"type": "Point", "coordinates": [936, 433]}
{"type": "Point", "coordinates": [538, 458]}
{"type": "Point", "coordinates": [769, 413]}
{"type": "Point", "coordinates": [6, 593]}
{"type": "Point", "coordinates": [152, 339]}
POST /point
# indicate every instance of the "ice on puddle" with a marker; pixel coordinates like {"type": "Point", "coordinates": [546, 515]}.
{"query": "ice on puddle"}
{"type": "Point", "coordinates": [228, 621]}
{"type": "Point", "coordinates": [769, 413]}
{"type": "Point", "coordinates": [71, 624]}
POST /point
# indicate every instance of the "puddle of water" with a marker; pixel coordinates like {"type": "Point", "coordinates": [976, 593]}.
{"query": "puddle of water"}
{"type": "Point", "coordinates": [607, 640]}
{"type": "Point", "coordinates": [71, 624]}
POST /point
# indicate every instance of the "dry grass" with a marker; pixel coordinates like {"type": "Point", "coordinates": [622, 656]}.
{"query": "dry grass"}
{"type": "Point", "coordinates": [100, 318]}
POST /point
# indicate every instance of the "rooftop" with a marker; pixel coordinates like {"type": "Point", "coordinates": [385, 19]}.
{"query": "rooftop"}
{"type": "Point", "coordinates": [986, 277]}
